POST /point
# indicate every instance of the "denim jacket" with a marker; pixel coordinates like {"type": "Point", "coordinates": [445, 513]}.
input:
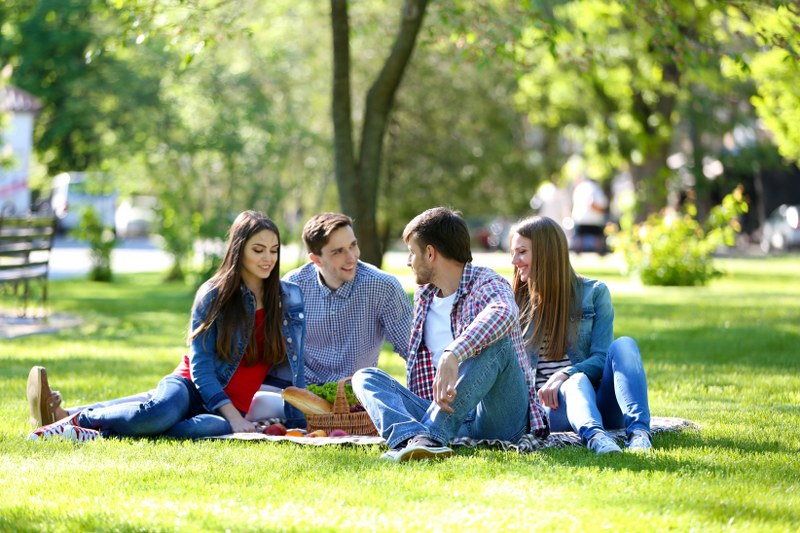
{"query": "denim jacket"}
{"type": "Point", "coordinates": [211, 374]}
{"type": "Point", "coordinates": [588, 348]}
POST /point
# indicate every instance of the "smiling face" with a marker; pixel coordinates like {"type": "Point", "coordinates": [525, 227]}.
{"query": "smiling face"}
{"type": "Point", "coordinates": [259, 258]}
{"type": "Point", "coordinates": [418, 262]}
{"type": "Point", "coordinates": [521, 256]}
{"type": "Point", "coordinates": [338, 259]}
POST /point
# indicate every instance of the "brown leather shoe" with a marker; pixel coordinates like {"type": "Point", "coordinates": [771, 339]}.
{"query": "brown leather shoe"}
{"type": "Point", "coordinates": [39, 398]}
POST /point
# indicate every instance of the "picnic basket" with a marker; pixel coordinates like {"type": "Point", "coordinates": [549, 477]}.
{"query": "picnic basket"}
{"type": "Point", "coordinates": [357, 423]}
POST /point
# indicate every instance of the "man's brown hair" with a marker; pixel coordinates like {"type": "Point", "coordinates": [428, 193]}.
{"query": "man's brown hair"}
{"type": "Point", "coordinates": [317, 231]}
{"type": "Point", "coordinates": [444, 229]}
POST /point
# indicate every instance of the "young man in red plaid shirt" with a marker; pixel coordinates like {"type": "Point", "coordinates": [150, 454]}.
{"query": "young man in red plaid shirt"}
{"type": "Point", "coordinates": [468, 371]}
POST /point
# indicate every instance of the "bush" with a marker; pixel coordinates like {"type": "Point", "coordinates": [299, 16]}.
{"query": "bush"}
{"type": "Point", "coordinates": [101, 241]}
{"type": "Point", "coordinates": [672, 248]}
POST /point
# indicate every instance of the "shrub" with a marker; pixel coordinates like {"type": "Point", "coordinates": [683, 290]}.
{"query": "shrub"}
{"type": "Point", "coordinates": [673, 248]}
{"type": "Point", "coordinates": [101, 241]}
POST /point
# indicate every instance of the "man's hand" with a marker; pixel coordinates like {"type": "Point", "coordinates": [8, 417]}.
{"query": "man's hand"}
{"type": "Point", "coordinates": [444, 384]}
{"type": "Point", "coordinates": [548, 394]}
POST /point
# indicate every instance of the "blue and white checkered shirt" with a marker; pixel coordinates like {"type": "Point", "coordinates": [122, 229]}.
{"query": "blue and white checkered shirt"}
{"type": "Point", "coordinates": [345, 328]}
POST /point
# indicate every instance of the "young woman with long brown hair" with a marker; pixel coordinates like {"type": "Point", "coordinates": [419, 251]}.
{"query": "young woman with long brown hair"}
{"type": "Point", "coordinates": [586, 380]}
{"type": "Point", "coordinates": [243, 324]}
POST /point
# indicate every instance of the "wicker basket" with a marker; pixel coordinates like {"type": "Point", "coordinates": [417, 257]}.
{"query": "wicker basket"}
{"type": "Point", "coordinates": [357, 423]}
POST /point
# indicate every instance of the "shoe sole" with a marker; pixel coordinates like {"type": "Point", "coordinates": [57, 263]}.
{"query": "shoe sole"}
{"type": "Point", "coordinates": [415, 454]}
{"type": "Point", "coordinates": [609, 452]}
{"type": "Point", "coordinates": [639, 449]}
{"type": "Point", "coordinates": [38, 396]}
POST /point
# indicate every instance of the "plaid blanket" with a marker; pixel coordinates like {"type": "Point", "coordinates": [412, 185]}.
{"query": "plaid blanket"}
{"type": "Point", "coordinates": [528, 443]}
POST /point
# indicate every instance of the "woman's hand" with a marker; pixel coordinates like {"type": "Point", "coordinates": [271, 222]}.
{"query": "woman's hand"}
{"type": "Point", "coordinates": [236, 420]}
{"type": "Point", "coordinates": [548, 394]}
{"type": "Point", "coordinates": [242, 426]}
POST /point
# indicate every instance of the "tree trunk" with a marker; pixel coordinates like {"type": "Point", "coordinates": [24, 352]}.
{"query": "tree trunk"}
{"type": "Point", "coordinates": [344, 155]}
{"type": "Point", "coordinates": [358, 181]}
{"type": "Point", "coordinates": [650, 177]}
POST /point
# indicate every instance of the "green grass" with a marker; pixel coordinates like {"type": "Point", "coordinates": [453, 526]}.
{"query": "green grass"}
{"type": "Point", "coordinates": [726, 356]}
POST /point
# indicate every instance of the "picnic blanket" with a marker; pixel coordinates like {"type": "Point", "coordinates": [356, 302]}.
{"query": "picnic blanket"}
{"type": "Point", "coordinates": [528, 443]}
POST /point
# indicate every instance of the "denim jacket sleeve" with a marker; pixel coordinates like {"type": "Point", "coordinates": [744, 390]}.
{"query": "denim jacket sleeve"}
{"type": "Point", "coordinates": [203, 353]}
{"type": "Point", "coordinates": [294, 332]}
{"type": "Point", "coordinates": [601, 336]}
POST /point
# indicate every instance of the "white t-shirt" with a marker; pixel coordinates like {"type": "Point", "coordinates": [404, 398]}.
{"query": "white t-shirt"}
{"type": "Point", "coordinates": [587, 194]}
{"type": "Point", "coordinates": [437, 334]}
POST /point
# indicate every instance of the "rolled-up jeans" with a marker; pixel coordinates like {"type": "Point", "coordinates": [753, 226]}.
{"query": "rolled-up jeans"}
{"type": "Point", "coordinates": [491, 401]}
{"type": "Point", "coordinates": [175, 410]}
{"type": "Point", "coordinates": [267, 403]}
{"type": "Point", "coordinates": [620, 401]}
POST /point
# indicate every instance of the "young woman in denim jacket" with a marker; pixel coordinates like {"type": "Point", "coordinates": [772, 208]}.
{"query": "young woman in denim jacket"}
{"type": "Point", "coordinates": [245, 322]}
{"type": "Point", "coordinates": [586, 382]}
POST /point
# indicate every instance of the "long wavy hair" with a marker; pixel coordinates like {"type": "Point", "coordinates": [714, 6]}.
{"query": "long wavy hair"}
{"type": "Point", "coordinates": [549, 300]}
{"type": "Point", "coordinates": [228, 308]}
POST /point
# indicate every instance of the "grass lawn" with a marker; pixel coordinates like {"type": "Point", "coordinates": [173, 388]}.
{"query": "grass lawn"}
{"type": "Point", "coordinates": [726, 356]}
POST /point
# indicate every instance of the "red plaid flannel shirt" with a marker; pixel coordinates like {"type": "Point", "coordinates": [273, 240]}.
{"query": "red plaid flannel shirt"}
{"type": "Point", "coordinates": [484, 311]}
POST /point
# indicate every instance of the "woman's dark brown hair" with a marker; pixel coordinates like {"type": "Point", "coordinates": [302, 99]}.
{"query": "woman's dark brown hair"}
{"type": "Point", "coordinates": [549, 298]}
{"type": "Point", "coordinates": [228, 307]}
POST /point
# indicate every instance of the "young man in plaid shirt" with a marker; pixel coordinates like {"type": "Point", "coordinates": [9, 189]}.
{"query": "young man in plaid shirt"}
{"type": "Point", "coordinates": [468, 371]}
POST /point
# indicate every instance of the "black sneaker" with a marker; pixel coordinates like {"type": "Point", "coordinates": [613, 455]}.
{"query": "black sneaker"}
{"type": "Point", "coordinates": [419, 447]}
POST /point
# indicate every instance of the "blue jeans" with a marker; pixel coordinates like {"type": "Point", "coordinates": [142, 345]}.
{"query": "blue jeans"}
{"type": "Point", "coordinates": [175, 409]}
{"type": "Point", "coordinates": [491, 401]}
{"type": "Point", "coordinates": [619, 402]}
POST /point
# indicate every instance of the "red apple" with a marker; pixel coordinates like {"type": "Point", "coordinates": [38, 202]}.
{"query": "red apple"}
{"type": "Point", "coordinates": [275, 429]}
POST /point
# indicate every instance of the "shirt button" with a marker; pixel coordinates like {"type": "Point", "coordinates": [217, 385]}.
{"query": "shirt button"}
{"type": "Point", "coordinates": [289, 340]}
{"type": "Point", "coordinates": [285, 322]}
{"type": "Point", "coordinates": [294, 358]}
{"type": "Point", "coordinates": [301, 315]}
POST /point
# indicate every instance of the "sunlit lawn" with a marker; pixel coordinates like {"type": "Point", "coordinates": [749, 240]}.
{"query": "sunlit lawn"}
{"type": "Point", "coordinates": [726, 356]}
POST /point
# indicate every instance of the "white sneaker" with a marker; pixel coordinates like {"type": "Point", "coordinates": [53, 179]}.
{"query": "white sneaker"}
{"type": "Point", "coordinates": [602, 444]}
{"type": "Point", "coordinates": [639, 441]}
{"type": "Point", "coordinates": [419, 447]}
{"type": "Point", "coordinates": [56, 429]}
{"type": "Point", "coordinates": [79, 434]}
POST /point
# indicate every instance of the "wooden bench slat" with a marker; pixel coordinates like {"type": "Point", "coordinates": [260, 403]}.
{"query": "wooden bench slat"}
{"type": "Point", "coordinates": [24, 233]}
{"type": "Point", "coordinates": [23, 273]}
{"type": "Point", "coordinates": [15, 248]}
{"type": "Point", "coordinates": [8, 222]}
{"type": "Point", "coordinates": [39, 263]}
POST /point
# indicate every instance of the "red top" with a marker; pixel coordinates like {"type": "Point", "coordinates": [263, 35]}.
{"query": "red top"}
{"type": "Point", "coordinates": [247, 379]}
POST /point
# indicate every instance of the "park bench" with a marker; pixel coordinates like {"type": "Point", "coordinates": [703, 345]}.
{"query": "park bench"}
{"type": "Point", "coordinates": [25, 245]}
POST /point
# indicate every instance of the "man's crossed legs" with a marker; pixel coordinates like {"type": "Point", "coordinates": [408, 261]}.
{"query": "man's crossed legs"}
{"type": "Point", "coordinates": [491, 402]}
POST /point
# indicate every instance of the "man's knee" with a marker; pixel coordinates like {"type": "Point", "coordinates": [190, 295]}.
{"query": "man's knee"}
{"type": "Point", "coordinates": [502, 349]}
{"type": "Point", "coordinates": [366, 375]}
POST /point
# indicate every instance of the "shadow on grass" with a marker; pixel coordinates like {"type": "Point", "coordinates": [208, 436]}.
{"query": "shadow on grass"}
{"type": "Point", "coordinates": [582, 464]}
{"type": "Point", "coordinates": [82, 367]}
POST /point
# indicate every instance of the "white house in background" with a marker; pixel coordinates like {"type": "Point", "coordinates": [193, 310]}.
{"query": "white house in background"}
{"type": "Point", "coordinates": [17, 140]}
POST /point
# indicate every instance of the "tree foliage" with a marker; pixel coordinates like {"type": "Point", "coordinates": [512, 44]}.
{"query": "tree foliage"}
{"type": "Point", "coordinates": [68, 53]}
{"type": "Point", "coordinates": [382, 110]}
